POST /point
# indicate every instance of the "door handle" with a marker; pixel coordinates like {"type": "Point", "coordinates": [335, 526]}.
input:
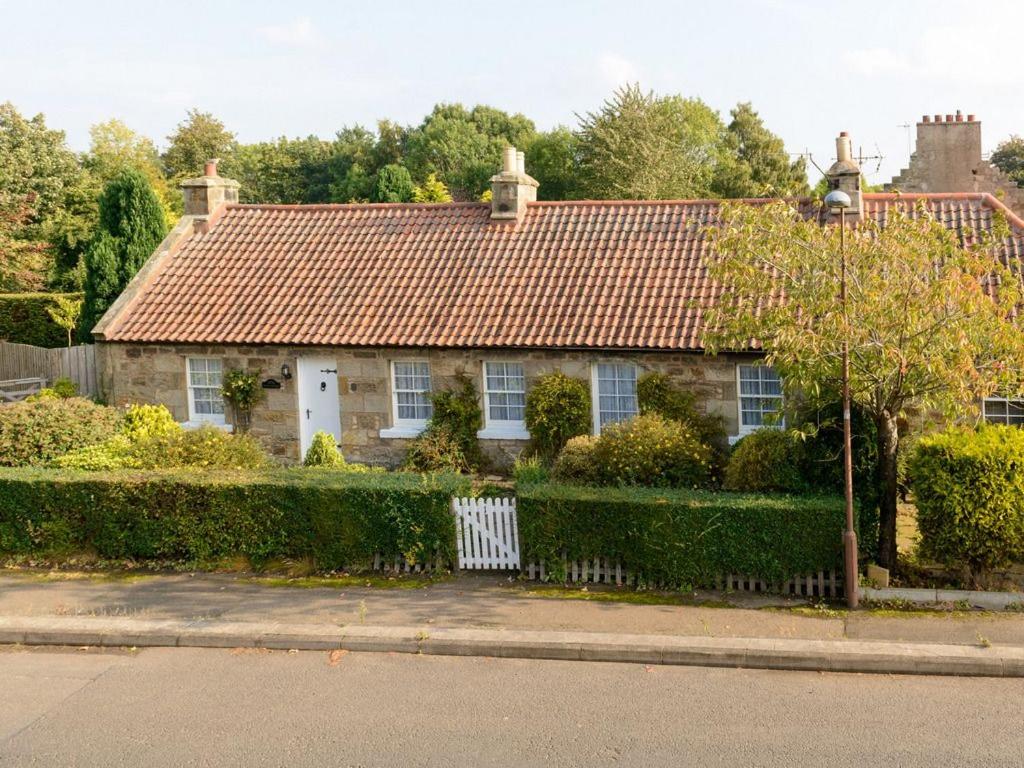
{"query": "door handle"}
{"type": "Point", "coordinates": [307, 413]}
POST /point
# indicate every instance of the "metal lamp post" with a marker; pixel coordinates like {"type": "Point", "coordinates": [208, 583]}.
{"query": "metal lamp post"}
{"type": "Point", "coordinates": [838, 201]}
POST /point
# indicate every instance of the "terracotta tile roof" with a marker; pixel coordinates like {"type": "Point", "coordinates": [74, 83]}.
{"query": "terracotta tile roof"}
{"type": "Point", "coordinates": [625, 275]}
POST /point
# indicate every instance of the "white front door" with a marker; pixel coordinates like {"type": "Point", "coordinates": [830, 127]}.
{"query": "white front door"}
{"type": "Point", "coordinates": [319, 407]}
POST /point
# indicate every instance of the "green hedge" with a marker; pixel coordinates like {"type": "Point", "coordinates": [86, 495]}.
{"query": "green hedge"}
{"type": "Point", "coordinates": [682, 538]}
{"type": "Point", "coordinates": [969, 490]}
{"type": "Point", "coordinates": [340, 520]}
{"type": "Point", "coordinates": [24, 319]}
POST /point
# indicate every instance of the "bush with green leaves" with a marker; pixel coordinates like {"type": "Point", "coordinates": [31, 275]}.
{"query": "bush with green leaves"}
{"type": "Point", "coordinates": [141, 422]}
{"type": "Point", "coordinates": [336, 519]}
{"type": "Point", "coordinates": [34, 433]}
{"type": "Point", "coordinates": [449, 443]}
{"type": "Point", "coordinates": [575, 463]}
{"type": "Point", "coordinates": [436, 450]}
{"type": "Point", "coordinates": [529, 470]}
{"type": "Point", "coordinates": [205, 447]}
{"type": "Point", "coordinates": [681, 538]}
{"type": "Point", "coordinates": [969, 490]}
{"type": "Point", "coordinates": [651, 450]}
{"type": "Point", "coordinates": [767, 460]}
{"type": "Point", "coordinates": [242, 390]}
{"type": "Point", "coordinates": [557, 410]}
{"type": "Point", "coordinates": [323, 453]}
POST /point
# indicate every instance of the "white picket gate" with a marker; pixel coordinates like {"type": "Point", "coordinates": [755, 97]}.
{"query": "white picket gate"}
{"type": "Point", "coordinates": [487, 533]}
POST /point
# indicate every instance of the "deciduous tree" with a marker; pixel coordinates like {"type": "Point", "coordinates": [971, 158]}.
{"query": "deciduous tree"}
{"type": "Point", "coordinates": [1009, 158]}
{"type": "Point", "coordinates": [640, 146]}
{"type": "Point", "coordinates": [930, 319]}
{"type": "Point", "coordinates": [198, 138]}
{"type": "Point", "coordinates": [393, 185]}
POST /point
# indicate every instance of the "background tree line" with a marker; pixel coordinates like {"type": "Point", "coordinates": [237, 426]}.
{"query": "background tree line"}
{"type": "Point", "coordinates": [637, 145]}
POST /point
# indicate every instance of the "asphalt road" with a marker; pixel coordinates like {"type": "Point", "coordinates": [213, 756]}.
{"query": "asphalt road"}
{"type": "Point", "coordinates": [176, 707]}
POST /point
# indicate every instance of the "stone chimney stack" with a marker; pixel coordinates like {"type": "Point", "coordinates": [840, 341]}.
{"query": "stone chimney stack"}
{"type": "Point", "coordinates": [206, 194]}
{"type": "Point", "coordinates": [845, 173]}
{"type": "Point", "coordinates": [512, 189]}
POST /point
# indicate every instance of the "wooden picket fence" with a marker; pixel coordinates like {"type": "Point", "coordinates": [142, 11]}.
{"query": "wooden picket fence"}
{"type": "Point", "coordinates": [487, 537]}
{"type": "Point", "coordinates": [20, 362]}
{"type": "Point", "coordinates": [600, 570]}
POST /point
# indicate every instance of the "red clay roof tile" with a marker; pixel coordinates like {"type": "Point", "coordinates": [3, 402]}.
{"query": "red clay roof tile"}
{"type": "Point", "coordinates": [623, 275]}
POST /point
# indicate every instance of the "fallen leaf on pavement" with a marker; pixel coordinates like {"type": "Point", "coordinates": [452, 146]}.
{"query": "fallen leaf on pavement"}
{"type": "Point", "coordinates": [334, 657]}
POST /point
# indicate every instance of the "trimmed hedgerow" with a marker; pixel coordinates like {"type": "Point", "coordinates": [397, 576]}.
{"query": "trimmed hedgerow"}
{"type": "Point", "coordinates": [25, 319]}
{"type": "Point", "coordinates": [34, 432]}
{"type": "Point", "coordinates": [679, 537]}
{"type": "Point", "coordinates": [969, 490]}
{"type": "Point", "coordinates": [338, 519]}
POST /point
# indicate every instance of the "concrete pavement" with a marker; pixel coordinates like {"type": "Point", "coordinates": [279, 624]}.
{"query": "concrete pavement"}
{"type": "Point", "coordinates": [247, 707]}
{"type": "Point", "coordinates": [490, 616]}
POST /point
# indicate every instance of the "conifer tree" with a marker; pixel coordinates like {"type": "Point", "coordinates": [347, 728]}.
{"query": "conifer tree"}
{"type": "Point", "coordinates": [131, 226]}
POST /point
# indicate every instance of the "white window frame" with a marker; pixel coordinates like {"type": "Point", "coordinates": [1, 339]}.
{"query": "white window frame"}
{"type": "Point", "coordinates": [595, 390]}
{"type": "Point", "coordinates": [501, 429]}
{"type": "Point", "coordinates": [747, 429]}
{"type": "Point", "coordinates": [198, 419]}
{"type": "Point", "coordinates": [405, 427]}
{"type": "Point", "coordinates": [1007, 401]}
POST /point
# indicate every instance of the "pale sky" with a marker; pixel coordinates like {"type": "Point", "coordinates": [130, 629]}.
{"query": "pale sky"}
{"type": "Point", "coordinates": [298, 68]}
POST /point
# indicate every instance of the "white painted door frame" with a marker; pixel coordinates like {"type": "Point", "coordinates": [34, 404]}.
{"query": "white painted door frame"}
{"type": "Point", "coordinates": [319, 403]}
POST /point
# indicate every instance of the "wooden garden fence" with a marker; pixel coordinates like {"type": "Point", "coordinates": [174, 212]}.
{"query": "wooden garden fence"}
{"type": "Point", "coordinates": [19, 362]}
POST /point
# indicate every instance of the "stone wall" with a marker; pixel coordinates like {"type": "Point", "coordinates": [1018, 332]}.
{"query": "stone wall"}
{"type": "Point", "coordinates": [150, 373]}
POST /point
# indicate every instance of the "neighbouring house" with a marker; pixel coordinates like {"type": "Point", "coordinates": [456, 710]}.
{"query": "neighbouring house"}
{"type": "Point", "coordinates": [948, 158]}
{"type": "Point", "coordinates": [354, 314]}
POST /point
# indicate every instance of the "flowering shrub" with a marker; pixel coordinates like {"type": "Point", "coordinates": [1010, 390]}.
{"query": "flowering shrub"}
{"type": "Point", "coordinates": [529, 470]}
{"type": "Point", "coordinates": [34, 433]}
{"type": "Point", "coordinates": [141, 422]}
{"type": "Point", "coordinates": [436, 450]}
{"type": "Point", "coordinates": [651, 450]}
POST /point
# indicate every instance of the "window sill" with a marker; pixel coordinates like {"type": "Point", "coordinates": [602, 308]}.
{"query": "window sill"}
{"type": "Point", "coordinates": [503, 433]}
{"type": "Point", "coordinates": [733, 439]}
{"type": "Point", "coordinates": [197, 424]}
{"type": "Point", "coordinates": [394, 433]}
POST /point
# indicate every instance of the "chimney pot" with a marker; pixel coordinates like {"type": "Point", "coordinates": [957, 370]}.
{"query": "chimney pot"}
{"type": "Point", "coordinates": [959, 116]}
{"type": "Point", "coordinates": [510, 162]}
{"type": "Point", "coordinates": [938, 118]}
{"type": "Point", "coordinates": [949, 118]}
{"type": "Point", "coordinates": [926, 119]}
{"type": "Point", "coordinates": [521, 162]}
{"type": "Point", "coordinates": [970, 118]}
{"type": "Point", "coordinates": [210, 169]}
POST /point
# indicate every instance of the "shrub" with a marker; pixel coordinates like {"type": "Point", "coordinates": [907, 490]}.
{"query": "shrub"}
{"type": "Point", "coordinates": [767, 460]}
{"type": "Point", "coordinates": [206, 447]}
{"type": "Point", "coordinates": [242, 391]}
{"type": "Point", "coordinates": [339, 520]}
{"type": "Point", "coordinates": [436, 450]}
{"type": "Point", "coordinates": [656, 393]}
{"type": "Point", "coordinates": [25, 318]}
{"type": "Point", "coordinates": [651, 450]}
{"type": "Point", "coordinates": [557, 410]}
{"type": "Point", "coordinates": [575, 462]}
{"type": "Point", "coordinates": [529, 470]}
{"type": "Point", "coordinates": [682, 538]}
{"type": "Point", "coordinates": [34, 433]}
{"type": "Point", "coordinates": [457, 410]}
{"type": "Point", "coordinates": [141, 422]}
{"type": "Point", "coordinates": [111, 454]}
{"type": "Point", "coordinates": [969, 489]}
{"type": "Point", "coordinates": [65, 388]}
{"type": "Point", "coordinates": [323, 452]}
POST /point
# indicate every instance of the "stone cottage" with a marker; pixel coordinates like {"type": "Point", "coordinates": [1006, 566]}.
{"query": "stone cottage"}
{"type": "Point", "coordinates": [353, 314]}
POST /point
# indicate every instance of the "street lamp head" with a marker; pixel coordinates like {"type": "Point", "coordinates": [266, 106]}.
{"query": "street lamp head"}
{"type": "Point", "coordinates": [837, 200]}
